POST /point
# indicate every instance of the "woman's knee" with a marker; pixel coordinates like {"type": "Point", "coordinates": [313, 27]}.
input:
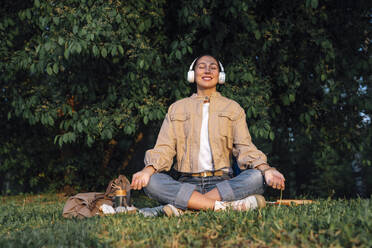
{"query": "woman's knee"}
{"type": "Point", "coordinates": [155, 183]}
{"type": "Point", "coordinates": [247, 183]}
{"type": "Point", "coordinates": [252, 176]}
{"type": "Point", "coordinates": [253, 180]}
{"type": "Point", "coordinates": [165, 189]}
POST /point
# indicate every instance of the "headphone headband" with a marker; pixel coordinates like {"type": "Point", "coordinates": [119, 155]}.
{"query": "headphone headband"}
{"type": "Point", "coordinates": [192, 65]}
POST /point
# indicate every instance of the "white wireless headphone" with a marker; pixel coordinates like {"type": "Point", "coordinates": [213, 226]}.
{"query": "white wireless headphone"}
{"type": "Point", "coordinates": [191, 73]}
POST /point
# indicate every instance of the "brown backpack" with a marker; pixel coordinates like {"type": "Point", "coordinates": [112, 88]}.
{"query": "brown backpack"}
{"type": "Point", "coordinates": [85, 205]}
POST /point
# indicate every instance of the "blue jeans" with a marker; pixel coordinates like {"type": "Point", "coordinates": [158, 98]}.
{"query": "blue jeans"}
{"type": "Point", "coordinates": [165, 189]}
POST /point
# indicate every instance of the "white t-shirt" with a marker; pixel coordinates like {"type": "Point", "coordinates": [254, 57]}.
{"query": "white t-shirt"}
{"type": "Point", "coordinates": [205, 154]}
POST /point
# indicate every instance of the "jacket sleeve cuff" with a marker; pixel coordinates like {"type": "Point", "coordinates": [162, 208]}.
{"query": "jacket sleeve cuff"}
{"type": "Point", "coordinates": [156, 166]}
{"type": "Point", "coordinates": [149, 163]}
{"type": "Point", "coordinates": [257, 163]}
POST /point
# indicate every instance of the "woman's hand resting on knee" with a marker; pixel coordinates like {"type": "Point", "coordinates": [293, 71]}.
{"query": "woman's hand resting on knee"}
{"type": "Point", "coordinates": [273, 177]}
{"type": "Point", "coordinates": [142, 178]}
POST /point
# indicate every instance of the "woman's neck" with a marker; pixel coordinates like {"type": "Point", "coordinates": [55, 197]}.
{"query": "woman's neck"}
{"type": "Point", "coordinates": [206, 92]}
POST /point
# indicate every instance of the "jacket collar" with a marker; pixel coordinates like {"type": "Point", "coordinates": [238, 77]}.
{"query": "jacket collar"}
{"type": "Point", "coordinates": [215, 94]}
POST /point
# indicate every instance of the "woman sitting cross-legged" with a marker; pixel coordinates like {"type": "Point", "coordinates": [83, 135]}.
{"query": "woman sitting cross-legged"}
{"type": "Point", "coordinates": [203, 132]}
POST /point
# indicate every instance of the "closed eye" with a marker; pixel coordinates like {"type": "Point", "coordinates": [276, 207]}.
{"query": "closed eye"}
{"type": "Point", "coordinates": [201, 66]}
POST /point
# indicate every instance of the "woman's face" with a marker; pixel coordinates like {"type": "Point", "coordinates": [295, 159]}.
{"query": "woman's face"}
{"type": "Point", "coordinates": [206, 72]}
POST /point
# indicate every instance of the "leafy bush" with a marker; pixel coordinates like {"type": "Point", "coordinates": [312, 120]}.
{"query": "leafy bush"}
{"type": "Point", "coordinates": [94, 76]}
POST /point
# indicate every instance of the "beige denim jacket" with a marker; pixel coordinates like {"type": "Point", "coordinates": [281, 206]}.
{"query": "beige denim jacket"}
{"type": "Point", "coordinates": [180, 136]}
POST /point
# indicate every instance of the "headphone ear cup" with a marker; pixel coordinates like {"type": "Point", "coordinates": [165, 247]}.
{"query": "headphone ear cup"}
{"type": "Point", "coordinates": [221, 77]}
{"type": "Point", "coordinates": [191, 76]}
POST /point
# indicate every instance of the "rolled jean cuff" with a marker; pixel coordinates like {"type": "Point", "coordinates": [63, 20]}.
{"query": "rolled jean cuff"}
{"type": "Point", "coordinates": [184, 195]}
{"type": "Point", "coordinates": [225, 190]}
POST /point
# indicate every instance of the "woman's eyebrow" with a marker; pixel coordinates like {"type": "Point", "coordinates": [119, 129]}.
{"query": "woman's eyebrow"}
{"type": "Point", "coordinates": [213, 63]}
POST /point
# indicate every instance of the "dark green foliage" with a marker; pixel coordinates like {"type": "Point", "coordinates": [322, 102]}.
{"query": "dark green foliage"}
{"type": "Point", "coordinates": [79, 76]}
{"type": "Point", "coordinates": [36, 221]}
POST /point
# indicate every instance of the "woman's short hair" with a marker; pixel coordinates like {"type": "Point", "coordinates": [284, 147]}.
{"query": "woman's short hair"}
{"type": "Point", "coordinates": [197, 59]}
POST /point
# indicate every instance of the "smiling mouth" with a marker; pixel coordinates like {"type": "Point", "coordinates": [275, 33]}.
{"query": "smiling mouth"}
{"type": "Point", "coordinates": [207, 78]}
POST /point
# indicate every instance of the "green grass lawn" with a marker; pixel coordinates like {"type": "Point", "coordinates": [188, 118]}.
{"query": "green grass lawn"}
{"type": "Point", "coordinates": [36, 221]}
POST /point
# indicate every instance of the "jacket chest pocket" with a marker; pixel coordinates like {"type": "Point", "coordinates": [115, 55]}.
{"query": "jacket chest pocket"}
{"type": "Point", "coordinates": [181, 124]}
{"type": "Point", "coordinates": [225, 126]}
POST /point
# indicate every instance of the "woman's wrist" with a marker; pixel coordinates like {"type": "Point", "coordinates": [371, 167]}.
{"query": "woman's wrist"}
{"type": "Point", "coordinates": [264, 167]}
{"type": "Point", "coordinates": [149, 169]}
{"type": "Point", "coordinates": [267, 169]}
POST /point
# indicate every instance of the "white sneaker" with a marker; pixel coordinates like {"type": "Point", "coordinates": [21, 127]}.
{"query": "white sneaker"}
{"type": "Point", "coordinates": [250, 202]}
{"type": "Point", "coordinates": [107, 209]}
{"type": "Point", "coordinates": [171, 210]}
{"type": "Point", "coordinates": [129, 209]}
